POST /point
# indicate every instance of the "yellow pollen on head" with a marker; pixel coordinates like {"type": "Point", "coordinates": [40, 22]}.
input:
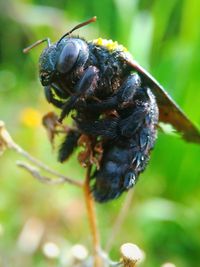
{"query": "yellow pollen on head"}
{"type": "Point", "coordinates": [99, 41]}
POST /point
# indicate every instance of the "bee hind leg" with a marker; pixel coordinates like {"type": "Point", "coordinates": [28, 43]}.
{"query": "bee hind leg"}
{"type": "Point", "coordinates": [69, 145]}
{"type": "Point", "coordinates": [106, 128]}
{"type": "Point", "coordinates": [122, 98]}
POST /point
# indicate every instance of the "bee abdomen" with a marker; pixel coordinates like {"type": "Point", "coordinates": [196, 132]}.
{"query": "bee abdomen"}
{"type": "Point", "coordinates": [121, 167]}
{"type": "Point", "coordinates": [124, 159]}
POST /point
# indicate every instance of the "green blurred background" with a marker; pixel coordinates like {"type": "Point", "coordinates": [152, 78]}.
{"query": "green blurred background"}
{"type": "Point", "coordinates": [164, 217]}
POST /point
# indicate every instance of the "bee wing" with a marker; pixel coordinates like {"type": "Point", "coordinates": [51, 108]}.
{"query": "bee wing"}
{"type": "Point", "coordinates": [169, 111]}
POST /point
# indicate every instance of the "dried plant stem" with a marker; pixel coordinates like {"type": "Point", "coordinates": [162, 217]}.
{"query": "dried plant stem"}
{"type": "Point", "coordinates": [92, 218]}
{"type": "Point", "coordinates": [6, 141]}
{"type": "Point", "coordinates": [119, 220]}
{"type": "Point", "coordinates": [41, 165]}
{"type": "Point", "coordinates": [44, 179]}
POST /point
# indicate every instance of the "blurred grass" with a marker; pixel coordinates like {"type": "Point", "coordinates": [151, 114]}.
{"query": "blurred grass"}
{"type": "Point", "coordinates": [165, 217]}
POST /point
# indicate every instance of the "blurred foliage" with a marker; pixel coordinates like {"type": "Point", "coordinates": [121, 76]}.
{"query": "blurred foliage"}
{"type": "Point", "coordinates": [164, 219]}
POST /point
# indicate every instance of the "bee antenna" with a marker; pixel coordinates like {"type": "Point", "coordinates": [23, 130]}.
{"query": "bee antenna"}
{"type": "Point", "coordinates": [27, 49]}
{"type": "Point", "coordinates": [93, 19]}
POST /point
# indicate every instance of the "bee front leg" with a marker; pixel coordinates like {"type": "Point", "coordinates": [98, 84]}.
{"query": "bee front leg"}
{"type": "Point", "coordinates": [51, 98]}
{"type": "Point", "coordinates": [85, 87]}
{"type": "Point", "coordinates": [88, 82]}
{"type": "Point", "coordinates": [59, 92]}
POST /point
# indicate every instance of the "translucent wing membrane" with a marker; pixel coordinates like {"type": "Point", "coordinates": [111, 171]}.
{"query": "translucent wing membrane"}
{"type": "Point", "coordinates": [169, 111]}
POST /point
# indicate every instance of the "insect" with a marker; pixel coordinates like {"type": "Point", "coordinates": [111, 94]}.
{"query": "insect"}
{"type": "Point", "coordinates": [116, 102]}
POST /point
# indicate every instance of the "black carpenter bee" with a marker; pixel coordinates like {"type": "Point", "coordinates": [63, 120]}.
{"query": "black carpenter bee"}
{"type": "Point", "coordinates": [115, 101]}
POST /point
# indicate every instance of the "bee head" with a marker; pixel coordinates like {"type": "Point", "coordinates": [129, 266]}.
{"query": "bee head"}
{"type": "Point", "coordinates": [63, 56]}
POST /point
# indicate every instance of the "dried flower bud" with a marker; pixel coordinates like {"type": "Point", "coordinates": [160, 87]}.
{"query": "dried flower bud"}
{"type": "Point", "coordinates": [131, 254]}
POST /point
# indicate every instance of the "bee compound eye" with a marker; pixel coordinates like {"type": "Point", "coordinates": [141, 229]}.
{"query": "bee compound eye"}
{"type": "Point", "coordinates": [68, 57]}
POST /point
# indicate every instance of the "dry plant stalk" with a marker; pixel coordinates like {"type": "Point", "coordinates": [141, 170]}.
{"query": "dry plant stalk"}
{"type": "Point", "coordinates": [6, 142]}
{"type": "Point", "coordinates": [92, 219]}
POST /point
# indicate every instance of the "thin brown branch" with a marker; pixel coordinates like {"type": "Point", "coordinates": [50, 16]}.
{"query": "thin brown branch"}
{"type": "Point", "coordinates": [6, 141]}
{"type": "Point", "coordinates": [44, 179]}
{"type": "Point", "coordinates": [92, 219]}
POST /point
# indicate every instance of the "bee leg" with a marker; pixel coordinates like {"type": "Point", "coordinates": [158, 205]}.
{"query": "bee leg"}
{"type": "Point", "coordinates": [68, 146]}
{"type": "Point", "coordinates": [128, 90]}
{"type": "Point", "coordinates": [121, 99]}
{"type": "Point", "coordinates": [99, 107]}
{"type": "Point", "coordinates": [86, 85]}
{"type": "Point", "coordinates": [107, 128]}
{"type": "Point", "coordinates": [126, 125]}
{"type": "Point", "coordinates": [115, 127]}
{"type": "Point", "coordinates": [145, 104]}
{"type": "Point", "coordinates": [51, 98]}
{"type": "Point", "coordinates": [67, 107]}
{"type": "Point", "coordinates": [88, 82]}
{"type": "Point", "coordinates": [135, 104]}
{"type": "Point", "coordinates": [59, 92]}
{"type": "Point", "coordinates": [129, 125]}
